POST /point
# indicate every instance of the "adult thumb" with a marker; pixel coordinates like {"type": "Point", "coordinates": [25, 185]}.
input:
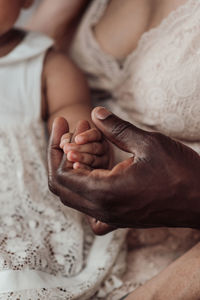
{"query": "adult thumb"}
{"type": "Point", "coordinates": [123, 134]}
{"type": "Point", "coordinates": [55, 153]}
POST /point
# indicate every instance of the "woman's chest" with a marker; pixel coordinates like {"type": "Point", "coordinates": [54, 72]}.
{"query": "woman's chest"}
{"type": "Point", "coordinates": [125, 21]}
{"type": "Point", "coordinates": [158, 84]}
{"type": "Point", "coordinates": [161, 87]}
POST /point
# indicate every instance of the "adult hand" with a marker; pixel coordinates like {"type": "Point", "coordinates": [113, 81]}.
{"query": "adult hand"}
{"type": "Point", "coordinates": [55, 156]}
{"type": "Point", "coordinates": [158, 186]}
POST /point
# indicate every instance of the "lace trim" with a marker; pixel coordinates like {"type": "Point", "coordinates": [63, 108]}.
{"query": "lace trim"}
{"type": "Point", "coordinates": [166, 23]}
{"type": "Point", "coordinates": [38, 233]}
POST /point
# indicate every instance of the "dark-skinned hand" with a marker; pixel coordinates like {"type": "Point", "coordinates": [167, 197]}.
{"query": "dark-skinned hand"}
{"type": "Point", "coordinates": [56, 153]}
{"type": "Point", "coordinates": [158, 186]}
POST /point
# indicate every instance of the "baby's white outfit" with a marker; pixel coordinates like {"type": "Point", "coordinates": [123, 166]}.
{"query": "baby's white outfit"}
{"type": "Point", "coordinates": [46, 249]}
{"type": "Point", "coordinates": [156, 87]}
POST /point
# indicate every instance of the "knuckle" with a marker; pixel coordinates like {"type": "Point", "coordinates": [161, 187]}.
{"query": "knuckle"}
{"type": "Point", "coordinates": [155, 140]}
{"type": "Point", "coordinates": [154, 145]}
{"type": "Point", "coordinates": [149, 144]}
{"type": "Point", "coordinates": [120, 129]}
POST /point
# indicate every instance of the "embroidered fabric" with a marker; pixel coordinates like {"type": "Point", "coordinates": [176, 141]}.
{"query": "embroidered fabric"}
{"type": "Point", "coordinates": [47, 251]}
{"type": "Point", "coordinates": [162, 71]}
{"type": "Point", "coordinates": [156, 87]}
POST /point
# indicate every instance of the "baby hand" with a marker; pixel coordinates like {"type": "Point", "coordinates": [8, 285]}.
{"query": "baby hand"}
{"type": "Point", "coordinates": [89, 150]}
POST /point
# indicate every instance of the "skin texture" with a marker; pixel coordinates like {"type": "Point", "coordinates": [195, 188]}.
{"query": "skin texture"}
{"type": "Point", "coordinates": [181, 279]}
{"type": "Point", "coordinates": [170, 196]}
{"type": "Point", "coordinates": [56, 153]}
{"type": "Point", "coordinates": [112, 31]}
{"type": "Point", "coordinates": [91, 150]}
{"type": "Point", "coordinates": [60, 95]}
{"type": "Point", "coordinates": [159, 185]}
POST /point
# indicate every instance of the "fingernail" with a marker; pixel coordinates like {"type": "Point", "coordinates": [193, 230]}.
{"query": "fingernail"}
{"type": "Point", "coordinates": [67, 140]}
{"type": "Point", "coordinates": [80, 139]}
{"type": "Point", "coordinates": [64, 142]}
{"type": "Point", "coordinates": [73, 155]}
{"type": "Point", "coordinates": [101, 113]}
{"type": "Point", "coordinates": [76, 165]}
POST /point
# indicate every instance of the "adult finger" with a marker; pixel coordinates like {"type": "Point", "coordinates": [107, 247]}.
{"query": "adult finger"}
{"type": "Point", "coordinates": [122, 133]}
{"type": "Point", "coordinates": [100, 228]}
{"type": "Point", "coordinates": [55, 154]}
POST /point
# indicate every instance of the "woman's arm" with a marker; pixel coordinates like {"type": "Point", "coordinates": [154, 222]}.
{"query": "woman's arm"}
{"type": "Point", "coordinates": [57, 18]}
{"type": "Point", "coordinates": [179, 281]}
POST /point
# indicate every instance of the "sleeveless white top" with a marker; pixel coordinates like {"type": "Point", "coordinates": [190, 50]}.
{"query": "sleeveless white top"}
{"type": "Point", "coordinates": [46, 249]}
{"type": "Point", "coordinates": [156, 87]}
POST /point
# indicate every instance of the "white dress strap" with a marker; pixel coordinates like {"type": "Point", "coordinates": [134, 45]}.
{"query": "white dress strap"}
{"type": "Point", "coordinates": [23, 69]}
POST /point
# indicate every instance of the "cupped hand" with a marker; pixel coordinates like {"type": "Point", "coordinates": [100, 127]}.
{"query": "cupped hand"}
{"type": "Point", "coordinates": [55, 156]}
{"type": "Point", "coordinates": [158, 186]}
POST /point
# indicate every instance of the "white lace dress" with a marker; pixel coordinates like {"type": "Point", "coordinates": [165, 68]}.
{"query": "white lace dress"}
{"type": "Point", "coordinates": [46, 250]}
{"type": "Point", "coordinates": [157, 87]}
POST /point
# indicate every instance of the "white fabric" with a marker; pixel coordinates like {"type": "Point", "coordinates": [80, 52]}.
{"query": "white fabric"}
{"type": "Point", "coordinates": [158, 88]}
{"type": "Point", "coordinates": [42, 243]}
{"type": "Point", "coordinates": [158, 85]}
{"type": "Point", "coordinates": [26, 14]}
